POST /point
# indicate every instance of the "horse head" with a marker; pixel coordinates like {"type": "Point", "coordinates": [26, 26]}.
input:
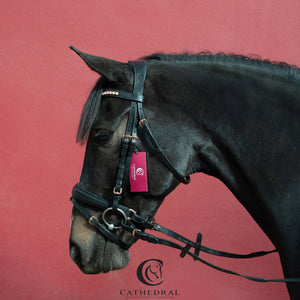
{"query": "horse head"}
{"type": "Point", "coordinates": [102, 127]}
{"type": "Point", "coordinates": [155, 269]}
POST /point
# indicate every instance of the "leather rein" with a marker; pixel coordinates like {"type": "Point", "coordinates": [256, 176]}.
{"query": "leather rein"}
{"type": "Point", "coordinates": [131, 221]}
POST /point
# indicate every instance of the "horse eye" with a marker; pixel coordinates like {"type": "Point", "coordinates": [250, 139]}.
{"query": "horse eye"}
{"type": "Point", "coordinates": [102, 136]}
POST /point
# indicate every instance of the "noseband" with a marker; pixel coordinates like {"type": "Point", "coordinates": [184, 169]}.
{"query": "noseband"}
{"type": "Point", "coordinates": [83, 199]}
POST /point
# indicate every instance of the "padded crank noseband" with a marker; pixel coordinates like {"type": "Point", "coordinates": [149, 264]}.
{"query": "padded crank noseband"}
{"type": "Point", "coordinates": [130, 220]}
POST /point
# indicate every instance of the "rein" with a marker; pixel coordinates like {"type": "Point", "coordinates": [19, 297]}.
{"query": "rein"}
{"type": "Point", "coordinates": [130, 220]}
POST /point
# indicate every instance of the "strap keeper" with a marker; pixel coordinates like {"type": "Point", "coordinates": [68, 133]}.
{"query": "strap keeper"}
{"type": "Point", "coordinates": [91, 219]}
{"type": "Point", "coordinates": [185, 250]}
{"type": "Point", "coordinates": [132, 212]}
{"type": "Point", "coordinates": [142, 121]}
{"type": "Point", "coordinates": [198, 245]}
{"type": "Point", "coordinates": [134, 231]}
{"type": "Point", "coordinates": [130, 137]}
{"type": "Point", "coordinates": [154, 225]}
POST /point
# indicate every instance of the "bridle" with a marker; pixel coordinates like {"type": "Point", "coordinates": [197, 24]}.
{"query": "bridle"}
{"type": "Point", "coordinates": [131, 221]}
{"type": "Point", "coordinates": [136, 119]}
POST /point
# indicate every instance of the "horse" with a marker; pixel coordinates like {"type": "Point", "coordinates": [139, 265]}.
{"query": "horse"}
{"type": "Point", "coordinates": [229, 116]}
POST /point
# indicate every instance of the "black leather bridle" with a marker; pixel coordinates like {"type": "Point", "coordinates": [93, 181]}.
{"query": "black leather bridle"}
{"type": "Point", "coordinates": [131, 221]}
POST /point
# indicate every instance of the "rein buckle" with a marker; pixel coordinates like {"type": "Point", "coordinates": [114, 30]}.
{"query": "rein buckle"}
{"type": "Point", "coordinates": [133, 212]}
{"type": "Point", "coordinates": [142, 121]}
{"type": "Point", "coordinates": [91, 219]}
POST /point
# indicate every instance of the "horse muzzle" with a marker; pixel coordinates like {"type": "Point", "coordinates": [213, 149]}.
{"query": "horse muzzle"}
{"type": "Point", "coordinates": [92, 252]}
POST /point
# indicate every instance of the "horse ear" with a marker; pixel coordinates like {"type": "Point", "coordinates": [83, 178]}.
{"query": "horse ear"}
{"type": "Point", "coordinates": [110, 69]}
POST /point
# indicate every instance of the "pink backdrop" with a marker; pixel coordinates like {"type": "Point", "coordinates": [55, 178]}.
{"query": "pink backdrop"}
{"type": "Point", "coordinates": [43, 88]}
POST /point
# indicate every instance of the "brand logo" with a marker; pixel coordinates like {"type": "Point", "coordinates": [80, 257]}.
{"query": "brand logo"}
{"type": "Point", "coordinates": [139, 172]}
{"type": "Point", "coordinates": [149, 272]}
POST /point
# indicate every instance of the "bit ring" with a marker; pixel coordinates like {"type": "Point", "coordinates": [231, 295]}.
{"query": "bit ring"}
{"type": "Point", "coordinates": [112, 226]}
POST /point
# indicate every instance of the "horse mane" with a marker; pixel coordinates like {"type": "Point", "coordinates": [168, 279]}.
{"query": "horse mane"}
{"type": "Point", "coordinates": [290, 72]}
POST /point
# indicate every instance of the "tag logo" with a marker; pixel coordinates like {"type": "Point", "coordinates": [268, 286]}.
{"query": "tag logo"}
{"type": "Point", "coordinates": [149, 272]}
{"type": "Point", "coordinates": [139, 172]}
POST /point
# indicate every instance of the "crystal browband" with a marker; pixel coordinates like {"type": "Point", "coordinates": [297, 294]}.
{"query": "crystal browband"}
{"type": "Point", "coordinates": [106, 93]}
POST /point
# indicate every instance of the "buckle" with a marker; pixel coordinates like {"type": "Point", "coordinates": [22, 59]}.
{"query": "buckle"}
{"type": "Point", "coordinates": [133, 212]}
{"type": "Point", "coordinates": [119, 192]}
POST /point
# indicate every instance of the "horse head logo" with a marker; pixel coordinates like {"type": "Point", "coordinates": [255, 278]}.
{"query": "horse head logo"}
{"type": "Point", "coordinates": [139, 172]}
{"type": "Point", "coordinates": [149, 272]}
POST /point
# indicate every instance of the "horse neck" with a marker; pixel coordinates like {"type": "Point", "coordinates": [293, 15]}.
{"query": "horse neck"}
{"type": "Point", "coordinates": [235, 109]}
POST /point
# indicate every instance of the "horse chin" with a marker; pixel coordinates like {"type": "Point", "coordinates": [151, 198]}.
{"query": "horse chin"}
{"type": "Point", "coordinates": [102, 258]}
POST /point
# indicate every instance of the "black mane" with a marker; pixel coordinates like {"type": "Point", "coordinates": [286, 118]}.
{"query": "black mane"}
{"type": "Point", "coordinates": [284, 69]}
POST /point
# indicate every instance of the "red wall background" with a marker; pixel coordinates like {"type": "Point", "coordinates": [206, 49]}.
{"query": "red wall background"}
{"type": "Point", "coordinates": [43, 88]}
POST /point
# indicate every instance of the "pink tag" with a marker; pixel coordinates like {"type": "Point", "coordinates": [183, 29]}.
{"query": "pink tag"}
{"type": "Point", "coordinates": [138, 172]}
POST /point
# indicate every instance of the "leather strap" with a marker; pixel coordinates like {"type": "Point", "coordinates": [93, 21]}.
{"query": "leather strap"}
{"type": "Point", "coordinates": [93, 200]}
{"type": "Point", "coordinates": [185, 250]}
{"type": "Point", "coordinates": [138, 224]}
{"type": "Point", "coordinates": [139, 70]}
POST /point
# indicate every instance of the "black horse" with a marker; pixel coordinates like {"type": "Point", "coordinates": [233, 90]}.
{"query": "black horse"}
{"type": "Point", "coordinates": [232, 117]}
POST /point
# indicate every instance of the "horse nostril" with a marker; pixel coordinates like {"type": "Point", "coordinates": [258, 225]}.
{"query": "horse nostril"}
{"type": "Point", "coordinates": [75, 253]}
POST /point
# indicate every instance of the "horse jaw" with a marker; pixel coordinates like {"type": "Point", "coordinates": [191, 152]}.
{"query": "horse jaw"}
{"type": "Point", "coordinates": [91, 252]}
